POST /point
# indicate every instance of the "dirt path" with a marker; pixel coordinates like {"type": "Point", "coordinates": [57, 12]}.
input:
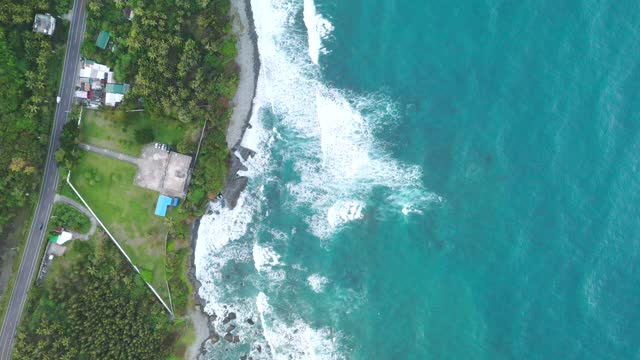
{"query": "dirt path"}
{"type": "Point", "coordinates": [110, 153]}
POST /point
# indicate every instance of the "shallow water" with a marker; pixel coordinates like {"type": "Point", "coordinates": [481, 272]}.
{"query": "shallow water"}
{"type": "Point", "coordinates": [435, 180]}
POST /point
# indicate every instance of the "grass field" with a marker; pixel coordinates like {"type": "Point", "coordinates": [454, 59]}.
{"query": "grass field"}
{"type": "Point", "coordinates": [115, 130]}
{"type": "Point", "coordinates": [127, 211]}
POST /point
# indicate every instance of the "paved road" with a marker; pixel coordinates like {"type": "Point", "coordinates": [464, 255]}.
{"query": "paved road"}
{"type": "Point", "coordinates": [31, 255]}
{"type": "Point", "coordinates": [110, 153]}
{"type": "Point", "coordinates": [82, 209]}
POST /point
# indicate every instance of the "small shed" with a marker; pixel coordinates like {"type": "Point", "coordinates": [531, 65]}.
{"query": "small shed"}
{"type": "Point", "coordinates": [103, 40]}
{"type": "Point", "coordinates": [44, 24]}
{"type": "Point", "coordinates": [163, 203]}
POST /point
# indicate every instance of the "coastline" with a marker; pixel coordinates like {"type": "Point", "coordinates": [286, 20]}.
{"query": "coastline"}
{"type": "Point", "coordinates": [249, 66]}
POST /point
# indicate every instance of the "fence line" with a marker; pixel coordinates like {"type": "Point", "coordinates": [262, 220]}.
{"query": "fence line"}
{"type": "Point", "coordinates": [118, 245]}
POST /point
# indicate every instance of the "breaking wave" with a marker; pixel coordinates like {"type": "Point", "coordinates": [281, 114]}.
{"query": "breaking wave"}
{"type": "Point", "coordinates": [326, 138]}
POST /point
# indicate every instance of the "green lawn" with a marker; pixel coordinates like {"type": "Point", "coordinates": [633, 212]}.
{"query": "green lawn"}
{"type": "Point", "coordinates": [127, 211]}
{"type": "Point", "coordinates": [115, 130]}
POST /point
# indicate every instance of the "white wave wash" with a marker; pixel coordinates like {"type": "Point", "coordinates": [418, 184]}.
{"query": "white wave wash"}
{"type": "Point", "coordinates": [318, 28]}
{"type": "Point", "coordinates": [329, 137]}
{"type": "Point", "coordinates": [295, 340]}
{"type": "Point", "coordinates": [317, 282]}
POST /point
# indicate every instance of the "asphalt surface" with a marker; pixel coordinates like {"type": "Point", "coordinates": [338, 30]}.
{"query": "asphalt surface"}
{"type": "Point", "coordinates": [31, 256]}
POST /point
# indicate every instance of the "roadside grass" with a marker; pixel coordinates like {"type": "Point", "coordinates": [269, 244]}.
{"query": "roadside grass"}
{"type": "Point", "coordinates": [127, 211]}
{"type": "Point", "coordinates": [115, 130]}
{"type": "Point", "coordinates": [23, 235]}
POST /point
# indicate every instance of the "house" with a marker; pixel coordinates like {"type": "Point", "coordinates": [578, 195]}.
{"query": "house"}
{"type": "Point", "coordinates": [44, 23]}
{"type": "Point", "coordinates": [96, 85]}
{"type": "Point", "coordinates": [164, 171]}
{"type": "Point", "coordinates": [62, 238]}
{"type": "Point", "coordinates": [163, 204]}
{"type": "Point", "coordinates": [114, 93]}
{"type": "Point", "coordinates": [103, 40]}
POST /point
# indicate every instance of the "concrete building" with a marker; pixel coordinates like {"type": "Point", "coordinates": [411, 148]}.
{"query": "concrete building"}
{"type": "Point", "coordinates": [96, 85]}
{"type": "Point", "coordinates": [44, 23]}
{"type": "Point", "coordinates": [166, 172]}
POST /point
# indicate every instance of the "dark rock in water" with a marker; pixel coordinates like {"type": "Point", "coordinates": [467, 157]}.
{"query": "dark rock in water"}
{"type": "Point", "coordinates": [230, 328]}
{"type": "Point", "coordinates": [235, 184]}
{"type": "Point", "coordinates": [245, 153]}
{"type": "Point", "coordinates": [243, 357]}
{"type": "Point", "coordinates": [250, 321]}
{"type": "Point", "coordinates": [228, 337]}
{"type": "Point", "coordinates": [259, 348]}
{"type": "Point", "coordinates": [229, 317]}
{"type": "Point", "coordinates": [214, 339]}
{"type": "Point", "coordinates": [232, 190]}
{"type": "Point", "coordinates": [236, 339]}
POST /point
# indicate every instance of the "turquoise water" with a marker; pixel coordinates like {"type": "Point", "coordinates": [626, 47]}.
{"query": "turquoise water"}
{"type": "Point", "coordinates": [436, 181]}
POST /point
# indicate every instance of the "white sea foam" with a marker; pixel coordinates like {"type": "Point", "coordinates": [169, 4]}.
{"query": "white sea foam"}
{"type": "Point", "coordinates": [317, 282]}
{"type": "Point", "coordinates": [318, 28]}
{"type": "Point", "coordinates": [264, 256]}
{"type": "Point", "coordinates": [329, 133]}
{"type": "Point", "coordinates": [329, 137]}
{"type": "Point", "coordinates": [295, 339]}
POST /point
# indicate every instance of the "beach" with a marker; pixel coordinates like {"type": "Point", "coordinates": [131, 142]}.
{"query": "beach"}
{"type": "Point", "coordinates": [248, 66]}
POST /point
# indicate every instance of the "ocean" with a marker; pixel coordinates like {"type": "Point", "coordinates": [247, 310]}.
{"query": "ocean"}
{"type": "Point", "coordinates": [435, 180]}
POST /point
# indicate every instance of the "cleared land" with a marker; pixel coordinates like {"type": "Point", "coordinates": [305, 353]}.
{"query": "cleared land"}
{"type": "Point", "coordinates": [116, 130]}
{"type": "Point", "coordinates": [127, 211]}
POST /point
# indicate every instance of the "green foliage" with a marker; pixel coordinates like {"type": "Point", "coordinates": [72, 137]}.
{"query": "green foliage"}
{"type": "Point", "coordinates": [144, 136]}
{"type": "Point", "coordinates": [96, 309]}
{"type": "Point", "coordinates": [69, 153]}
{"type": "Point", "coordinates": [29, 71]}
{"type": "Point", "coordinates": [70, 218]}
{"type": "Point", "coordinates": [147, 275]}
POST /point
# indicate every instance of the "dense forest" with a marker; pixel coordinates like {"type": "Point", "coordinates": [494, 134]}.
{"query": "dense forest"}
{"type": "Point", "coordinates": [179, 57]}
{"type": "Point", "coordinates": [93, 306]}
{"type": "Point", "coordinates": [28, 84]}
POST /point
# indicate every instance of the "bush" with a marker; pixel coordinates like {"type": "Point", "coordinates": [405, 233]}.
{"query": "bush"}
{"type": "Point", "coordinates": [144, 136]}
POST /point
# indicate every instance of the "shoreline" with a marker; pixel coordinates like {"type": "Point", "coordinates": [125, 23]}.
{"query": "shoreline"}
{"type": "Point", "coordinates": [249, 66]}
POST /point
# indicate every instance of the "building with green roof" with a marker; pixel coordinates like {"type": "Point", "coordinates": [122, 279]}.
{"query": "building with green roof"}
{"type": "Point", "coordinates": [117, 88]}
{"type": "Point", "coordinates": [103, 40]}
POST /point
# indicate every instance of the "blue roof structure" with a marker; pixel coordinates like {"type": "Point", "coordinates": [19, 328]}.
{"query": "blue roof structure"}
{"type": "Point", "coordinates": [163, 203]}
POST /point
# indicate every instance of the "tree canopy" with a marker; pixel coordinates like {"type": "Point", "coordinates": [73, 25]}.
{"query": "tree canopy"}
{"type": "Point", "coordinates": [28, 84]}
{"type": "Point", "coordinates": [95, 308]}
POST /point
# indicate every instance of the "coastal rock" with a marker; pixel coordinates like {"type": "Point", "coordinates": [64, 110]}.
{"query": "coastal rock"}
{"type": "Point", "coordinates": [230, 328]}
{"type": "Point", "coordinates": [245, 153]}
{"type": "Point", "coordinates": [214, 339]}
{"type": "Point", "coordinates": [236, 339]}
{"type": "Point", "coordinates": [229, 317]}
{"type": "Point", "coordinates": [229, 337]}
{"type": "Point", "coordinates": [235, 186]}
{"type": "Point", "coordinates": [243, 357]}
{"type": "Point", "coordinates": [259, 348]}
{"type": "Point", "coordinates": [250, 321]}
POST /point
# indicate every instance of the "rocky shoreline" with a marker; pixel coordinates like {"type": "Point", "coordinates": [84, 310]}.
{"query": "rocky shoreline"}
{"type": "Point", "coordinates": [249, 64]}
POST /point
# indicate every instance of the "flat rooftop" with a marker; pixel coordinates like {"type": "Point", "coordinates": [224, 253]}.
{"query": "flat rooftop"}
{"type": "Point", "coordinates": [164, 172]}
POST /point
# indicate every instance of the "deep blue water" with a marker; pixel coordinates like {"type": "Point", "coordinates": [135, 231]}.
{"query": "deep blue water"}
{"type": "Point", "coordinates": [509, 130]}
